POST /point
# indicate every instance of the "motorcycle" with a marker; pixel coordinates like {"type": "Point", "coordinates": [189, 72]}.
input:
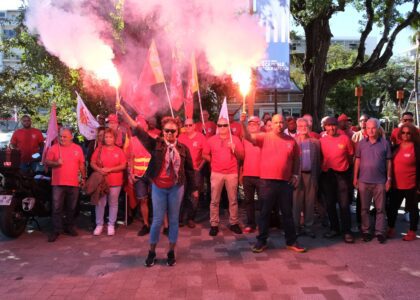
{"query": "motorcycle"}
{"type": "Point", "coordinates": [23, 195]}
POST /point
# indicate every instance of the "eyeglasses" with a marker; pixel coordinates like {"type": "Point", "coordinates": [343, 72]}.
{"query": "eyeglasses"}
{"type": "Point", "coordinates": [408, 120]}
{"type": "Point", "coordinates": [363, 120]}
{"type": "Point", "coordinates": [169, 130]}
{"type": "Point", "coordinates": [222, 125]}
{"type": "Point", "coordinates": [406, 132]}
{"type": "Point", "coordinates": [188, 125]}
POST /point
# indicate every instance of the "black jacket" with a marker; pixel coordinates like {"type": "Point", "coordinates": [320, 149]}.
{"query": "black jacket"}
{"type": "Point", "coordinates": [157, 148]}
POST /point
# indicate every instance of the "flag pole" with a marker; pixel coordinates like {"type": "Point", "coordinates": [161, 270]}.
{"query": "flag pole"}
{"type": "Point", "coordinates": [169, 99]}
{"type": "Point", "coordinates": [201, 112]}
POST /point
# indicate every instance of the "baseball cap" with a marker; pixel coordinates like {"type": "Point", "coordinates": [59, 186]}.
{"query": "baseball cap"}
{"type": "Point", "coordinates": [112, 118]}
{"type": "Point", "coordinates": [343, 117]}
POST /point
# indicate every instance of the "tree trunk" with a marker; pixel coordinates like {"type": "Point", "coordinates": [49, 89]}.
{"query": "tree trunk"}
{"type": "Point", "coordinates": [318, 40]}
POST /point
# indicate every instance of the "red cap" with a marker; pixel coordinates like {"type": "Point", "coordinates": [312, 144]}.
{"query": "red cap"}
{"type": "Point", "coordinates": [112, 118]}
{"type": "Point", "coordinates": [343, 117]}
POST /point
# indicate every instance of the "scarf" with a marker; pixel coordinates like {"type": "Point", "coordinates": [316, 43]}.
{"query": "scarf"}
{"type": "Point", "coordinates": [172, 160]}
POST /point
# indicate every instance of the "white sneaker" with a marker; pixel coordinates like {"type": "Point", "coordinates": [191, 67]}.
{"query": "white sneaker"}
{"type": "Point", "coordinates": [98, 230]}
{"type": "Point", "coordinates": [111, 230]}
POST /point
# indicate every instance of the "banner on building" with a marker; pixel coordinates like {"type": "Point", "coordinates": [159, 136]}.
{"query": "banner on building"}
{"type": "Point", "coordinates": [274, 16]}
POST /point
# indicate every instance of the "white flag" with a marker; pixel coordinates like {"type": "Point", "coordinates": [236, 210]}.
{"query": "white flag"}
{"type": "Point", "coordinates": [224, 111]}
{"type": "Point", "coordinates": [85, 121]}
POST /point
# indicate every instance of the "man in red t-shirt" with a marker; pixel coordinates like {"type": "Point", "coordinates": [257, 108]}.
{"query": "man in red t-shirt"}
{"type": "Point", "coordinates": [195, 142]}
{"type": "Point", "coordinates": [28, 141]}
{"type": "Point", "coordinates": [279, 174]}
{"type": "Point", "coordinates": [210, 126]}
{"type": "Point", "coordinates": [337, 152]}
{"type": "Point", "coordinates": [251, 174]}
{"type": "Point", "coordinates": [235, 127]}
{"type": "Point", "coordinates": [223, 151]}
{"type": "Point", "coordinates": [407, 117]}
{"type": "Point", "coordinates": [67, 162]}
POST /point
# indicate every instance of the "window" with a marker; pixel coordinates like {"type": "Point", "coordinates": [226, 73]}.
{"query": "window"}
{"type": "Point", "coordinates": [9, 33]}
{"type": "Point", "coordinates": [2, 14]}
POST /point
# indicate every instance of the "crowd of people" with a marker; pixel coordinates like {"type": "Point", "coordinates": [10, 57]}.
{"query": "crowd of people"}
{"type": "Point", "coordinates": [282, 162]}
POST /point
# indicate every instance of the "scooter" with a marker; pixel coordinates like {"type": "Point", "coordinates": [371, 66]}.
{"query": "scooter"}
{"type": "Point", "coordinates": [23, 196]}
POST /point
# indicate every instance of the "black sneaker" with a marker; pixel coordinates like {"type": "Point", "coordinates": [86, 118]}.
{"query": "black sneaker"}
{"type": "Point", "coordinates": [235, 228]}
{"type": "Point", "coordinates": [381, 238]}
{"type": "Point", "coordinates": [144, 230]}
{"type": "Point", "coordinates": [151, 259]}
{"type": "Point", "coordinates": [166, 231]}
{"type": "Point", "coordinates": [348, 238]}
{"type": "Point", "coordinates": [366, 237]}
{"type": "Point", "coordinates": [52, 237]}
{"type": "Point", "coordinates": [214, 230]}
{"type": "Point", "coordinates": [171, 261]}
{"type": "Point", "coordinates": [259, 247]}
{"type": "Point", "coordinates": [70, 231]}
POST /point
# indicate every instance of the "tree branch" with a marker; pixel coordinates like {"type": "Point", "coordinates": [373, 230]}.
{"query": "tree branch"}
{"type": "Point", "coordinates": [365, 33]}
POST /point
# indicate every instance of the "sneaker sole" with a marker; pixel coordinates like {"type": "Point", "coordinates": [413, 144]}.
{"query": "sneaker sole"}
{"type": "Point", "coordinates": [259, 250]}
{"type": "Point", "coordinates": [151, 265]}
{"type": "Point", "coordinates": [297, 250]}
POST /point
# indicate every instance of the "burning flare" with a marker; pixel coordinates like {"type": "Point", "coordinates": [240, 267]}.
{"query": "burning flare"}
{"type": "Point", "coordinates": [243, 79]}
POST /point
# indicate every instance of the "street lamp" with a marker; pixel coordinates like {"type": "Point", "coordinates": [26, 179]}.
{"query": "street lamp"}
{"type": "Point", "coordinates": [358, 92]}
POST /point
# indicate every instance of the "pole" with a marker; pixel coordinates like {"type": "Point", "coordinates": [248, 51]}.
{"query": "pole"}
{"type": "Point", "coordinates": [275, 101]}
{"type": "Point", "coordinates": [358, 92]}
{"type": "Point", "coordinates": [117, 100]}
{"type": "Point", "coordinates": [169, 99]}
{"type": "Point", "coordinates": [243, 104]}
{"type": "Point", "coordinates": [201, 112]}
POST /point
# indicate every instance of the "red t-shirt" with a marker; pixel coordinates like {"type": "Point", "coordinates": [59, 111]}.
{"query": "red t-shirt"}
{"type": "Point", "coordinates": [196, 146]}
{"type": "Point", "coordinates": [154, 133]}
{"type": "Point", "coordinates": [236, 129]}
{"type": "Point", "coordinates": [222, 158]}
{"type": "Point", "coordinates": [347, 132]}
{"type": "Point", "coordinates": [164, 180]}
{"type": "Point", "coordinates": [210, 128]}
{"type": "Point", "coordinates": [110, 158]}
{"type": "Point", "coordinates": [278, 155]}
{"type": "Point", "coordinates": [28, 142]}
{"type": "Point", "coordinates": [252, 162]}
{"type": "Point", "coordinates": [337, 152]}
{"type": "Point", "coordinates": [404, 168]}
{"type": "Point", "coordinates": [314, 135]}
{"type": "Point", "coordinates": [68, 173]}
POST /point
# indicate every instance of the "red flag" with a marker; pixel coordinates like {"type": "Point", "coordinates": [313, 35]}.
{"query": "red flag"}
{"type": "Point", "coordinates": [192, 88]}
{"type": "Point", "coordinates": [177, 91]}
{"type": "Point", "coordinates": [140, 96]}
{"type": "Point", "coordinates": [52, 132]}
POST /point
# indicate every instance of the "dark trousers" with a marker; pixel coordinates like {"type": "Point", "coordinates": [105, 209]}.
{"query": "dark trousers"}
{"type": "Point", "coordinates": [189, 204]}
{"type": "Point", "coordinates": [64, 205]}
{"type": "Point", "coordinates": [251, 185]}
{"type": "Point", "coordinates": [335, 186]}
{"type": "Point", "coordinates": [411, 204]}
{"type": "Point", "coordinates": [274, 192]}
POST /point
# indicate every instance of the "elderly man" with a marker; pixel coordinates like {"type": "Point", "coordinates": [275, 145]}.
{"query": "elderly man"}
{"type": "Point", "coordinates": [337, 152]}
{"type": "Point", "coordinates": [305, 194]}
{"type": "Point", "coordinates": [251, 174]}
{"type": "Point", "coordinates": [372, 176]}
{"type": "Point", "coordinates": [67, 162]}
{"type": "Point", "coordinates": [28, 141]}
{"type": "Point", "coordinates": [310, 121]}
{"type": "Point", "coordinates": [223, 151]}
{"type": "Point", "coordinates": [279, 174]}
{"type": "Point", "coordinates": [195, 142]}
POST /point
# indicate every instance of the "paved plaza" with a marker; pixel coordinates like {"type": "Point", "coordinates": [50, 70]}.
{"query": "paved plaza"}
{"type": "Point", "coordinates": [89, 267]}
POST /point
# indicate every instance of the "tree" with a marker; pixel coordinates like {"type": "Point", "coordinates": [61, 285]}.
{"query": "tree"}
{"type": "Point", "coordinates": [314, 16]}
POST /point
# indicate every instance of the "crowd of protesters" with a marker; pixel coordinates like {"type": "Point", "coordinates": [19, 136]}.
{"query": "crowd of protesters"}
{"type": "Point", "coordinates": [291, 169]}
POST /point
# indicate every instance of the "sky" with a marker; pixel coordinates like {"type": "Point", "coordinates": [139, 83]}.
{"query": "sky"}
{"type": "Point", "coordinates": [343, 25]}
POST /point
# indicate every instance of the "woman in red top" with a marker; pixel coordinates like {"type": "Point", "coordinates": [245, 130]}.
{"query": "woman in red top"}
{"type": "Point", "coordinates": [109, 160]}
{"type": "Point", "coordinates": [405, 166]}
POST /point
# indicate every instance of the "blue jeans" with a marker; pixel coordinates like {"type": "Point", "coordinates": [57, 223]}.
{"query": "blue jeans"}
{"type": "Point", "coordinates": [274, 192]}
{"type": "Point", "coordinates": [166, 201]}
{"type": "Point", "coordinates": [112, 199]}
{"type": "Point", "coordinates": [64, 196]}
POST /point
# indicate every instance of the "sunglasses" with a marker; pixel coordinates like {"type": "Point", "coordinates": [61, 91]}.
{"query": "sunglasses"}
{"type": "Point", "coordinates": [406, 132]}
{"type": "Point", "coordinates": [169, 130]}
{"type": "Point", "coordinates": [188, 125]}
{"type": "Point", "coordinates": [222, 125]}
{"type": "Point", "coordinates": [408, 120]}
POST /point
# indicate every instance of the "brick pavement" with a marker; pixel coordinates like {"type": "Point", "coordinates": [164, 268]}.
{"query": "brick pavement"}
{"type": "Point", "coordinates": [88, 267]}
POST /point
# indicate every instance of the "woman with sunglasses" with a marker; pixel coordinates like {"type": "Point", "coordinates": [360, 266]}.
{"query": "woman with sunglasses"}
{"type": "Point", "coordinates": [405, 167]}
{"type": "Point", "coordinates": [170, 169]}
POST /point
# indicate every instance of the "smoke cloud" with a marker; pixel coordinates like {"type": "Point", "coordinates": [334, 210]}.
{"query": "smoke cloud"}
{"type": "Point", "coordinates": [226, 39]}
